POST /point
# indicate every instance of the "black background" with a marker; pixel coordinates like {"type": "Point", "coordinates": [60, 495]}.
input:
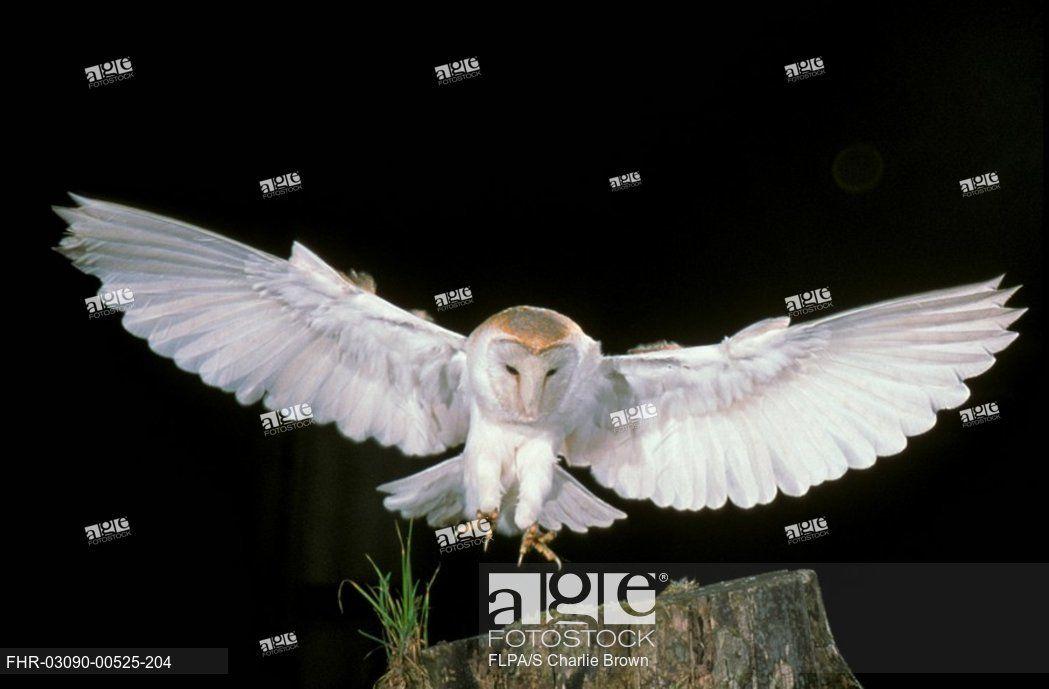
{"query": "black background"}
{"type": "Point", "coordinates": [500, 183]}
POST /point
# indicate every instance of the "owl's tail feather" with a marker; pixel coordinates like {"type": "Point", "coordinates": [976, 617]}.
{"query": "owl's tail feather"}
{"type": "Point", "coordinates": [571, 505]}
{"type": "Point", "coordinates": [435, 493]}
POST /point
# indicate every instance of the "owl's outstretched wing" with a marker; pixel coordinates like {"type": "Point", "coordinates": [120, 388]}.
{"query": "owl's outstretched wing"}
{"type": "Point", "coordinates": [287, 332]}
{"type": "Point", "coordinates": [780, 406]}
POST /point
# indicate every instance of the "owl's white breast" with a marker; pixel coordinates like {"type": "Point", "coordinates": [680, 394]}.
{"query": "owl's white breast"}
{"type": "Point", "coordinates": [492, 438]}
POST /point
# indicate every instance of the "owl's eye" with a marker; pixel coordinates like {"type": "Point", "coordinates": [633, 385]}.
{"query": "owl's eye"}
{"type": "Point", "coordinates": [551, 372]}
{"type": "Point", "coordinates": [511, 370]}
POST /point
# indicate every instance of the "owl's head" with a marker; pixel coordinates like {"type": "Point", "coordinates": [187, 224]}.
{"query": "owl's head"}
{"type": "Point", "coordinates": [525, 362]}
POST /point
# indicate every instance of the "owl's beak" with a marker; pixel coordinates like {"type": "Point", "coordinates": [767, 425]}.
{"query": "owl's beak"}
{"type": "Point", "coordinates": [530, 392]}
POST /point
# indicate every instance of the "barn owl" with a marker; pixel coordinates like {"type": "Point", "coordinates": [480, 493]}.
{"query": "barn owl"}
{"type": "Point", "coordinates": [775, 407]}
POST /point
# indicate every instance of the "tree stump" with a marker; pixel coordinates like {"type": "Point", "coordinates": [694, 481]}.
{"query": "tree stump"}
{"type": "Point", "coordinates": [769, 630]}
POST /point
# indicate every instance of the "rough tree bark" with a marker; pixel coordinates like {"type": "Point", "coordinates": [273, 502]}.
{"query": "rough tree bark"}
{"type": "Point", "coordinates": [763, 631]}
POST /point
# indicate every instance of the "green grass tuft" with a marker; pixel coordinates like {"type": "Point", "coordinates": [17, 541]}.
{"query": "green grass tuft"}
{"type": "Point", "coordinates": [403, 615]}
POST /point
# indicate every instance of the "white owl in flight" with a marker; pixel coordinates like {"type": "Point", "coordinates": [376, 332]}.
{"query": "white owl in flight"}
{"type": "Point", "coordinates": [774, 407]}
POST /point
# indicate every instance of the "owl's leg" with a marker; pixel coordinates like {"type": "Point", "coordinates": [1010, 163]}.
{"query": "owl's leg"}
{"type": "Point", "coordinates": [493, 518]}
{"type": "Point", "coordinates": [483, 490]}
{"type": "Point", "coordinates": [536, 540]}
{"type": "Point", "coordinates": [535, 475]}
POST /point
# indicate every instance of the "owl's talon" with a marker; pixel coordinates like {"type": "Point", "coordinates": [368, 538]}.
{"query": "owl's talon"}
{"type": "Point", "coordinates": [534, 540]}
{"type": "Point", "coordinates": [493, 518]}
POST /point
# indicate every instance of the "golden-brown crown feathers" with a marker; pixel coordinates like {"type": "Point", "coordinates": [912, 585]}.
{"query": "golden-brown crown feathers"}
{"type": "Point", "coordinates": [535, 328]}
